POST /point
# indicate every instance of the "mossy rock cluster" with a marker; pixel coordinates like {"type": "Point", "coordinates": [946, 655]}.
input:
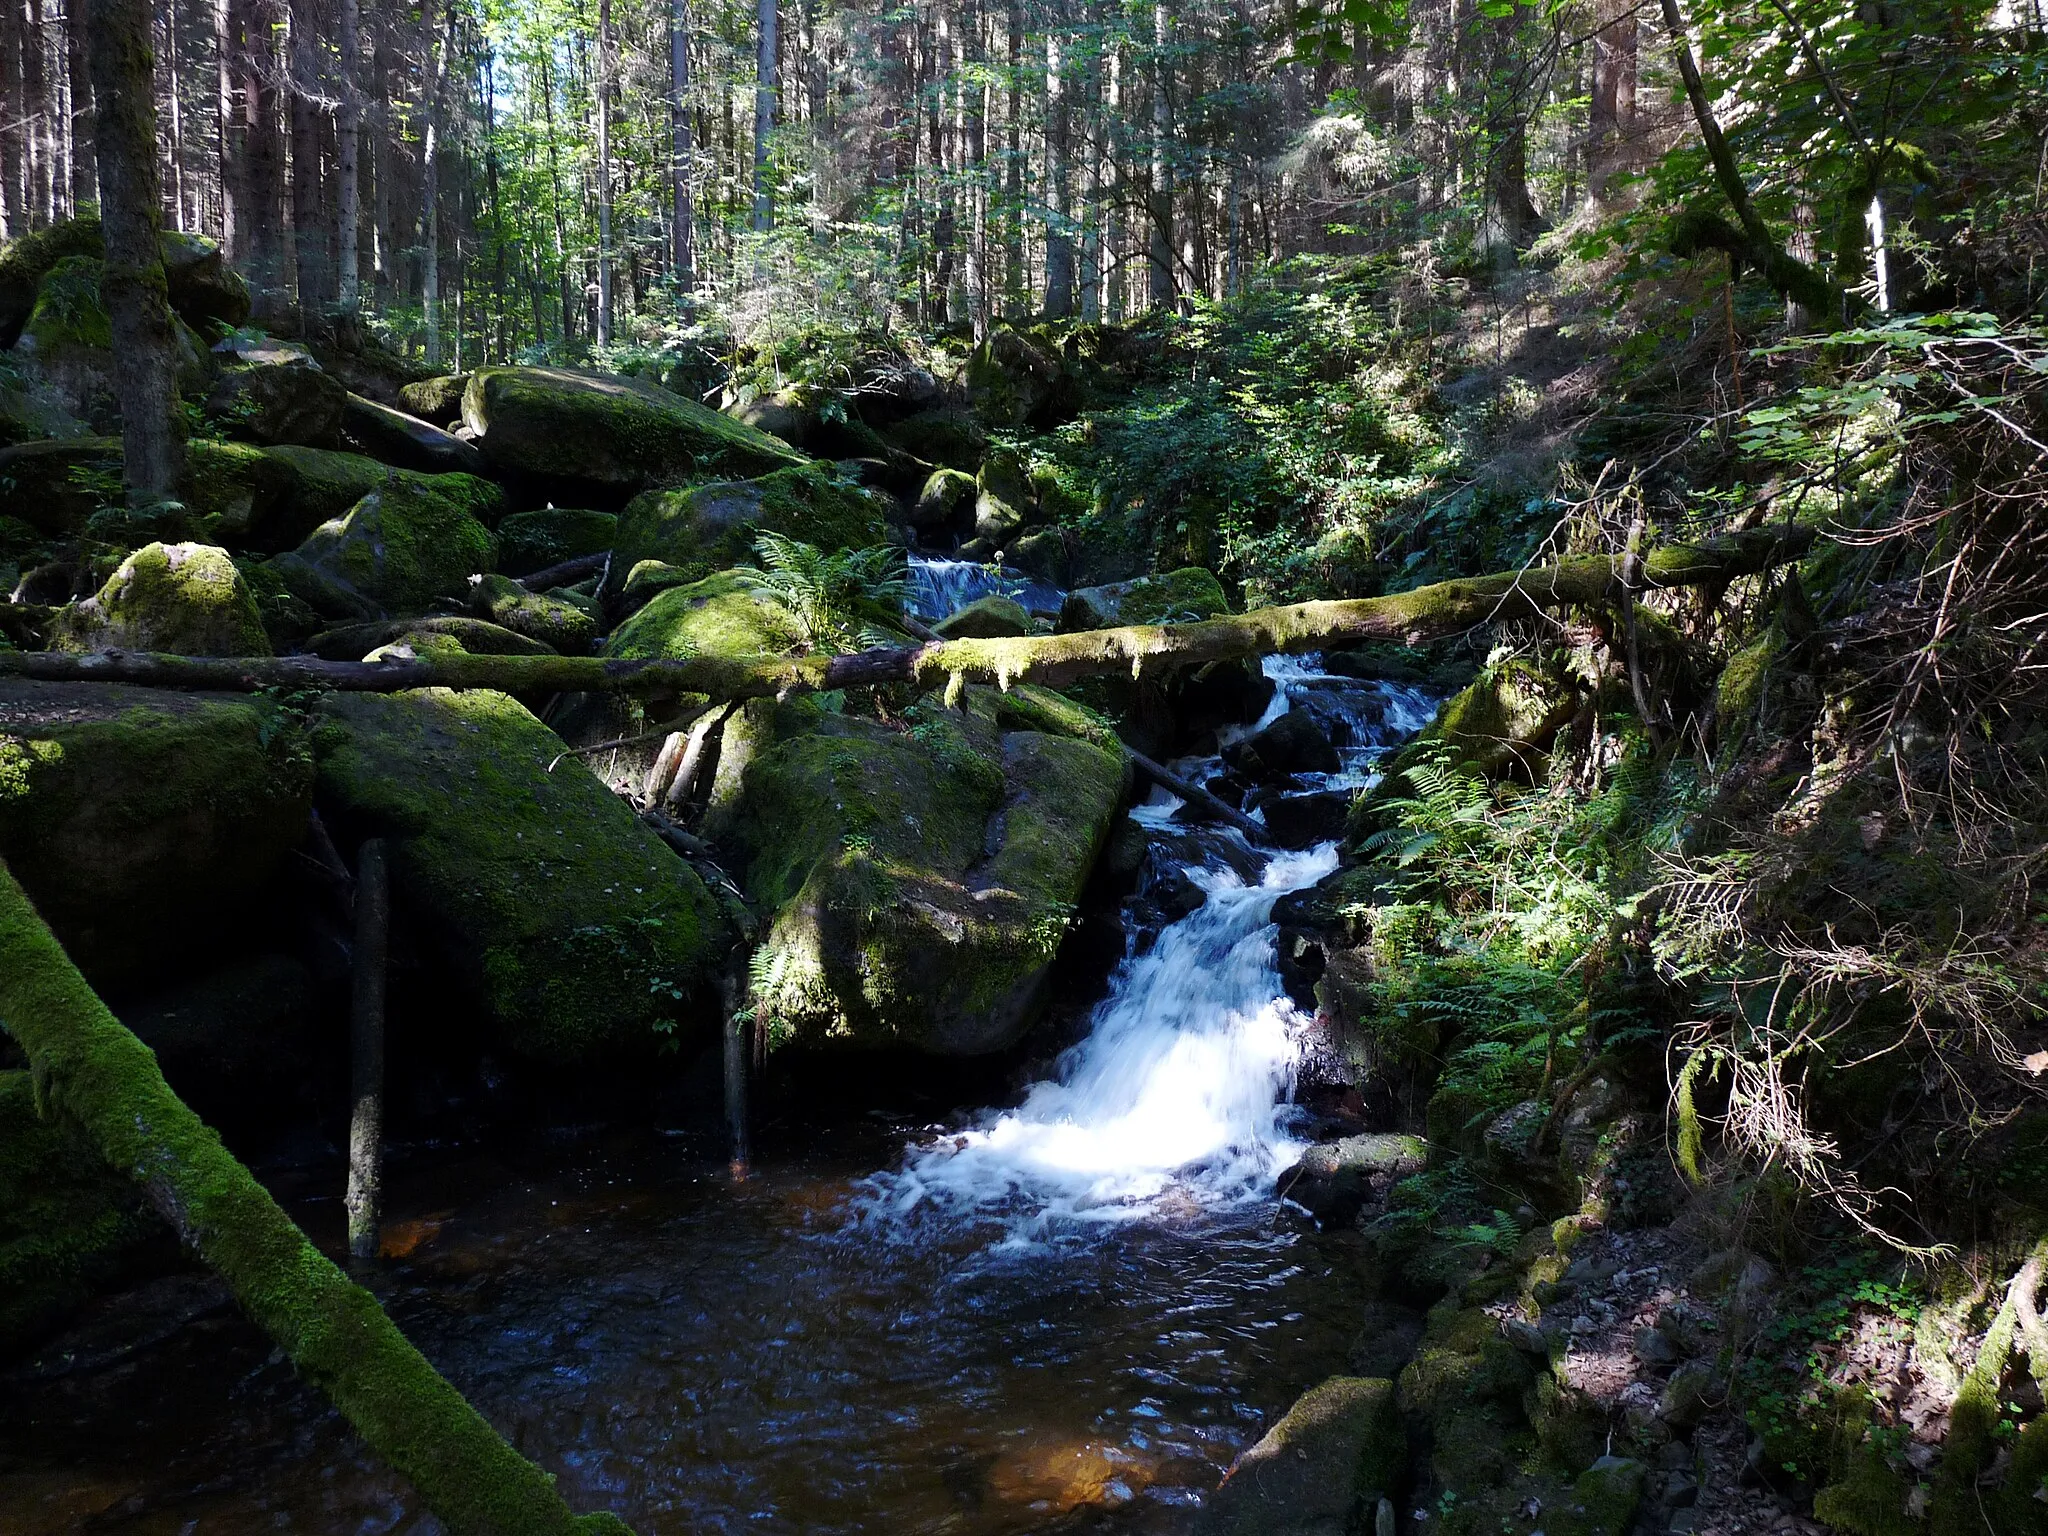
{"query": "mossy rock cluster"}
{"type": "Point", "coordinates": [287, 400]}
{"type": "Point", "coordinates": [67, 343]}
{"type": "Point", "coordinates": [204, 290]}
{"type": "Point", "coordinates": [709, 528]}
{"type": "Point", "coordinates": [55, 486]}
{"type": "Point", "coordinates": [572, 927]}
{"type": "Point", "coordinates": [185, 599]}
{"type": "Point", "coordinates": [558, 625]}
{"type": "Point", "coordinates": [920, 880]}
{"type": "Point", "coordinates": [1174, 597]}
{"type": "Point", "coordinates": [146, 823]}
{"type": "Point", "coordinates": [69, 1224]}
{"type": "Point", "coordinates": [533, 541]}
{"type": "Point", "coordinates": [609, 435]}
{"type": "Point", "coordinates": [718, 616]}
{"type": "Point", "coordinates": [398, 549]}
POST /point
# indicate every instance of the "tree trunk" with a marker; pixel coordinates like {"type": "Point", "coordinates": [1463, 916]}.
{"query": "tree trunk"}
{"type": "Point", "coordinates": [93, 1070]}
{"type": "Point", "coordinates": [364, 1199]}
{"type": "Point", "coordinates": [1014, 285]}
{"type": "Point", "coordinates": [263, 152]}
{"type": "Point", "coordinates": [309, 230]}
{"type": "Point", "coordinates": [1614, 95]}
{"type": "Point", "coordinates": [1159, 253]}
{"type": "Point", "coordinates": [84, 159]}
{"type": "Point", "coordinates": [348, 208]}
{"type": "Point", "coordinates": [547, 100]}
{"type": "Point", "coordinates": [683, 233]}
{"type": "Point", "coordinates": [1059, 238]}
{"type": "Point", "coordinates": [764, 117]}
{"type": "Point", "coordinates": [1427, 613]}
{"type": "Point", "coordinates": [437, 51]}
{"type": "Point", "coordinates": [13, 130]}
{"type": "Point", "coordinates": [36, 108]}
{"type": "Point", "coordinates": [604, 173]}
{"type": "Point", "coordinates": [132, 286]}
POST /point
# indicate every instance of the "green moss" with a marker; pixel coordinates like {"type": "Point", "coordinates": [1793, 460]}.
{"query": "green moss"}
{"type": "Point", "coordinates": [718, 616]}
{"type": "Point", "coordinates": [288, 620]}
{"type": "Point", "coordinates": [711, 527]}
{"type": "Point", "coordinates": [532, 541]}
{"type": "Point", "coordinates": [1740, 691]}
{"type": "Point", "coordinates": [146, 822]}
{"type": "Point", "coordinates": [1173, 598]}
{"type": "Point", "coordinates": [183, 599]}
{"type": "Point", "coordinates": [438, 399]}
{"type": "Point", "coordinates": [620, 434]}
{"type": "Point", "coordinates": [560, 626]}
{"type": "Point", "coordinates": [985, 618]}
{"type": "Point", "coordinates": [68, 1223]}
{"type": "Point", "coordinates": [396, 550]}
{"type": "Point", "coordinates": [906, 911]}
{"type": "Point", "coordinates": [1324, 1467]}
{"type": "Point", "coordinates": [68, 312]}
{"type": "Point", "coordinates": [574, 927]}
{"type": "Point", "coordinates": [320, 485]}
{"type": "Point", "coordinates": [27, 260]}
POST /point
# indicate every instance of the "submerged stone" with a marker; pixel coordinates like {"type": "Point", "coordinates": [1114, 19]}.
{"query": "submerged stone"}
{"type": "Point", "coordinates": [570, 924]}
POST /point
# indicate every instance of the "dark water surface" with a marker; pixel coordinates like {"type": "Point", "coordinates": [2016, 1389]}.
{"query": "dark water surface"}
{"type": "Point", "coordinates": [701, 1356]}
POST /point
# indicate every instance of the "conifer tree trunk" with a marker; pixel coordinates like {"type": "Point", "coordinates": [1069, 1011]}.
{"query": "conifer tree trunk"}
{"type": "Point", "coordinates": [437, 51]}
{"type": "Point", "coordinates": [348, 213]}
{"type": "Point", "coordinates": [1059, 239]}
{"type": "Point", "coordinates": [1613, 95]}
{"type": "Point", "coordinates": [263, 156]}
{"type": "Point", "coordinates": [133, 288]}
{"type": "Point", "coordinates": [683, 234]}
{"type": "Point", "coordinates": [1159, 262]}
{"type": "Point", "coordinates": [764, 115]}
{"type": "Point", "coordinates": [604, 173]}
{"type": "Point", "coordinates": [14, 127]}
{"type": "Point", "coordinates": [83, 161]}
{"type": "Point", "coordinates": [309, 232]}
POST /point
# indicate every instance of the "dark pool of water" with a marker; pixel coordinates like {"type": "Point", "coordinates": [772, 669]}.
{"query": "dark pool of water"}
{"type": "Point", "coordinates": [700, 1356]}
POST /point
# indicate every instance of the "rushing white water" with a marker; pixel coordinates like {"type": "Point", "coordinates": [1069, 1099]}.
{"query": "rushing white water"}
{"type": "Point", "coordinates": [942, 587]}
{"type": "Point", "coordinates": [1181, 1084]}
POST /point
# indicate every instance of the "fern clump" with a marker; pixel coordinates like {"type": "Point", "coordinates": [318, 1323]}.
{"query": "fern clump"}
{"type": "Point", "coordinates": [834, 599]}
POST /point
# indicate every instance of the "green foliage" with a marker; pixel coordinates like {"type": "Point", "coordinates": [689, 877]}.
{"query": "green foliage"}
{"type": "Point", "coordinates": [830, 595]}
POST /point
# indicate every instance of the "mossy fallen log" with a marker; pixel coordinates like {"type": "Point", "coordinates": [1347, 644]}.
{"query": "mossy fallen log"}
{"type": "Point", "coordinates": [91, 1068]}
{"type": "Point", "coordinates": [1427, 613]}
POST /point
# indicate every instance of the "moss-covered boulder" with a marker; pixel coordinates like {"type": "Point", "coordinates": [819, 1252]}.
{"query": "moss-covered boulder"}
{"type": "Point", "coordinates": [711, 527]}
{"type": "Point", "coordinates": [1321, 1471]}
{"type": "Point", "coordinates": [558, 625]}
{"type": "Point", "coordinates": [232, 488]}
{"type": "Point", "coordinates": [321, 485]}
{"type": "Point", "coordinates": [286, 400]}
{"type": "Point", "coordinates": [570, 924]}
{"type": "Point", "coordinates": [479, 637]}
{"type": "Point", "coordinates": [26, 261]}
{"type": "Point", "coordinates": [204, 289]}
{"type": "Point", "coordinates": [945, 504]}
{"type": "Point", "coordinates": [69, 1224]}
{"type": "Point", "coordinates": [1003, 498]}
{"type": "Point", "coordinates": [1173, 598]}
{"type": "Point", "coordinates": [396, 550]}
{"type": "Point", "coordinates": [438, 399]}
{"type": "Point", "coordinates": [1042, 556]}
{"type": "Point", "coordinates": [920, 879]}
{"type": "Point", "coordinates": [942, 434]}
{"type": "Point", "coordinates": [55, 486]}
{"type": "Point", "coordinates": [718, 616]}
{"type": "Point", "coordinates": [394, 437]}
{"type": "Point", "coordinates": [187, 599]}
{"type": "Point", "coordinates": [288, 619]}
{"type": "Point", "coordinates": [68, 344]}
{"type": "Point", "coordinates": [533, 541]}
{"type": "Point", "coordinates": [30, 410]}
{"type": "Point", "coordinates": [1016, 379]}
{"type": "Point", "coordinates": [986, 618]}
{"type": "Point", "coordinates": [144, 823]}
{"type": "Point", "coordinates": [558, 427]}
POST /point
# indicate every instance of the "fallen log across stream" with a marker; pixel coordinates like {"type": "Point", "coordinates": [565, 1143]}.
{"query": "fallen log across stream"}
{"type": "Point", "coordinates": [1427, 613]}
{"type": "Point", "coordinates": [89, 1066]}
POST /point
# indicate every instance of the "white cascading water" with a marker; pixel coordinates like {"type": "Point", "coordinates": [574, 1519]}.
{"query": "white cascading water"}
{"type": "Point", "coordinates": [940, 587]}
{"type": "Point", "coordinates": [1178, 1096]}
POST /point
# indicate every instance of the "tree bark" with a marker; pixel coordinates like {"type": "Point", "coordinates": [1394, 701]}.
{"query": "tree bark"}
{"type": "Point", "coordinates": [132, 285]}
{"type": "Point", "coordinates": [309, 230]}
{"type": "Point", "coordinates": [89, 1067]}
{"type": "Point", "coordinates": [1159, 252]}
{"type": "Point", "coordinates": [683, 230]}
{"type": "Point", "coordinates": [764, 117]}
{"type": "Point", "coordinates": [348, 207]}
{"type": "Point", "coordinates": [78, 75]}
{"type": "Point", "coordinates": [437, 52]}
{"type": "Point", "coordinates": [263, 159]}
{"type": "Point", "coordinates": [604, 173]}
{"type": "Point", "coordinates": [1059, 239]}
{"type": "Point", "coordinates": [1427, 613]}
{"type": "Point", "coordinates": [364, 1200]}
{"type": "Point", "coordinates": [1614, 95]}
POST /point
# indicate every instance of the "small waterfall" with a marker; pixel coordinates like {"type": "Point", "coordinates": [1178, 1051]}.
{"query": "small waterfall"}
{"type": "Point", "coordinates": [1178, 1096]}
{"type": "Point", "coordinates": [942, 587]}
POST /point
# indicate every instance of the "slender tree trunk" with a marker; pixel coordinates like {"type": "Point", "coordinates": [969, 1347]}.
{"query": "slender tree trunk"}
{"type": "Point", "coordinates": [83, 159]}
{"type": "Point", "coordinates": [384, 158]}
{"type": "Point", "coordinates": [547, 99]}
{"type": "Point", "coordinates": [348, 212]}
{"type": "Point", "coordinates": [1059, 235]}
{"type": "Point", "coordinates": [764, 116]}
{"type": "Point", "coordinates": [13, 121]}
{"type": "Point", "coordinates": [1159, 261]}
{"type": "Point", "coordinates": [309, 233]}
{"type": "Point", "coordinates": [364, 1200]}
{"type": "Point", "coordinates": [175, 148]}
{"type": "Point", "coordinates": [231, 128]}
{"type": "Point", "coordinates": [133, 287]}
{"type": "Point", "coordinates": [438, 49]}
{"type": "Point", "coordinates": [683, 229]}
{"type": "Point", "coordinates": [36, 109]}
{"type": "Point", "coordinates": [263, 157]}
{"type": "Point", "coordinates": [1114, 303]}
{"type": "Point", "coordinates": [604, 173]}
{"type": "Point", "coordinates": [1014, 285]}
{"type": "Point", "coordinates": [1613, 95]}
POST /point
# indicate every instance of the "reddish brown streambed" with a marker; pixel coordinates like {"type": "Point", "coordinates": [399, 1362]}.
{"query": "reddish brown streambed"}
{"type": "Point", "coordinates": [702, 1358]}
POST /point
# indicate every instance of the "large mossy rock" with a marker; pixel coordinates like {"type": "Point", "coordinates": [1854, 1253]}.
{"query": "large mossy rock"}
{"type": "Point", "coordinates": [558, 625]}
{"type": "Point", "coordinates": [27, 261]}
{"type": "Point", "coordinates": [397, 550]}
{"type": "Point", "coordinates": [572, 926]}
{"type": "Point", "coordinates": [712, 527]}
{"type": "Point", "coordinates": [393, 437]}
{"type": "Point", "coordinates": [31, 411]}
{"type": "Point", "coordinates": [68, 344]}
{"type": "Point", "coordinates": [55, 486]}
{"type": "Point", "coordinates": [1173, 598]}
{"type": "Point", "coordinates": [718, 616]}
{"type": "Point", "coordinates": [615, 436]}
{"type": "Point", "coordinates": [203, 288]}
{"type": "Point", "coordinates": [1016, 379]}
{"type": "Point", "coordinates": [1320, 1471]}
{"type": "Point", "coordinates": [993, 617]}
{"type": "Point", "coordinates": [283, 400]}
{"type": "Point", "coordinates": [322, 485]}
{"type": "Point", "coordinates": [920, 879]}
{"type": "Point", "coordinates": [69, 1224]}
{"type": "Point", "coordinates": [186, 599]}
{"type": "Point", "coordinates": [533, 541]}
{"type": "Point", "coordinates": [144, 822]}
{"type": "Point", "coordinates": [438, 399]}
